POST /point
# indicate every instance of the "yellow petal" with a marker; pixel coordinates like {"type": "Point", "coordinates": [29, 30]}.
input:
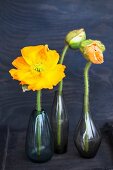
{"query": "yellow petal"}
{"type": "Point", "coordinates": [13, 73]}
{"type": "Point", "coordinates": [56, 75]}
{"type": "Point", "coordinates": [31, 54]}
{"type": "Point", "coordinates": [20, 63]}
{"type": "Point", "coordinates": [52, 59]}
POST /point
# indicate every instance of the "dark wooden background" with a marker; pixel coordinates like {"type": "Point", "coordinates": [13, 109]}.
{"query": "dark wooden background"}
{"type": "Point", "coordinates": [32, 22]}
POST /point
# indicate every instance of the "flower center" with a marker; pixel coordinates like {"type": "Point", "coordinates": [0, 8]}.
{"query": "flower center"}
{"type": "Point", "coordinates": [38, 67]}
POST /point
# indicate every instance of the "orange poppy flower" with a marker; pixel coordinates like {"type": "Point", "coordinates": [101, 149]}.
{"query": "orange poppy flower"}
{"type": "Point", "coordinates": [94, 54]}
{"type": "Point", "coordinates": [93, 51]}
{"type": "Point", "coordinates": [37, 68]}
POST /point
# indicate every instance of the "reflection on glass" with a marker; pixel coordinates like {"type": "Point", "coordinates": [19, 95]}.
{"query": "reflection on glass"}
{"type": "Point", "coordinates": [39, 141]}
{"type": "Point", "coordinates": [60, 124]}
{"type": "Point", "coordinates": [87, 137]}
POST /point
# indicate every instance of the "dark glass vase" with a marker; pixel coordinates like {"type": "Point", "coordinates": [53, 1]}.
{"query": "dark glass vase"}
{"type": "Point", "coordinates": [60, 124]}
{"type": "Point", "coordinates": [39, 140]}
{"type": "Point", "coordinates": [87, 137]}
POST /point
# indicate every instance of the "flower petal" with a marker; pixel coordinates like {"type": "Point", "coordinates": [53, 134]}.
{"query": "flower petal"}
{"type": "Point", "coordinates": [52, 58]}
{"type": "Point", "coordinates": [56, 75]}
{"type": "Point", "coordinates": [31, 54]}
{"type": "Point", "coordinates": [20, 63]}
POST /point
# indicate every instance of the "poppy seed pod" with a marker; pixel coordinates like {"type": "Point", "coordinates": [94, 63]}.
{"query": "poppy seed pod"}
{"type": "Point", "coordinates": [75, 37]}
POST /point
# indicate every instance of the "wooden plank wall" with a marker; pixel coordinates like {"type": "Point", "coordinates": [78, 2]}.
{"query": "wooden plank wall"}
{"type": "Point", "coordinates": [32, 22]}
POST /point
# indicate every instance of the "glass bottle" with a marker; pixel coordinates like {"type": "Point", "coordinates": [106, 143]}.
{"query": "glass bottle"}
{"type": "Point", "coordinates": [59, 123]}
{"type": "Point", "coordinates": [87, 137]}
{"type": "Point", "coordinates": [39, 139]}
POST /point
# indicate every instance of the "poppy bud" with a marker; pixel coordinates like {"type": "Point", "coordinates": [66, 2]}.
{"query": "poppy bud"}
{"type": "Point", "coordinates": [75, 37]}
{"type": "Point", "coordinates": [93, 50]}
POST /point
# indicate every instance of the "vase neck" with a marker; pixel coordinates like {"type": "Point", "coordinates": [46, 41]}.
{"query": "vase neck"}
{"type": "Point", "coordinates": [57, 94]}
{"type": "Point", "coordinates": [39, 112]}
{"type": "Point", "coordinates": [86, 115]}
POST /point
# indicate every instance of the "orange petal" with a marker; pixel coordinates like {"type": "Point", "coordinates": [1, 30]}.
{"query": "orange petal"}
{"type": "Point", "coordinates": [21, 75]}
{"type": "Point", "coordinates": [20, 63]}
{"type": "Point", "coordinates": [13, 73]}
{"type": "Point", "coordinates": [56, 75]}
{"type": "Point", "coordinates": [48, 79]}
{"type": "Point", "coordinates": [99, 57]}
{"type": "Point", "coordinates": [94, 54]}
{"type": "Point", "coordinates": [30, 53]}
{"type": "Point", "coordinates": [52, 59]}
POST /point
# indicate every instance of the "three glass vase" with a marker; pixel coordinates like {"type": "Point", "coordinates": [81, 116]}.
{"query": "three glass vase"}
{"type": "Point", "coordinates": [39, 139]}
{"type": "Point", "coordinates": [42, 140]}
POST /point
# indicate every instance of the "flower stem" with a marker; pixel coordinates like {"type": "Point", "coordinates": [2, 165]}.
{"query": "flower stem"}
{"type": "Point", "coordinates": [60, 93]}
{"type": "Point", "coordinates": [59, 129]}
{"type": "Point", "coordinates": [39, 137]}
{"type": "Point", "coordinates": [38, 101]}
{"type": "Point", "coordinates": [60, 88]}
{"type": "Point", "coordinates": [86, 87]}
{"type": "Point", "coordinates": [61, 62]}
{"type": "Point", "coordinates": [63, 53]}
{"type": "Point", "coordinates": [86, 102]}
{"type": "Point", "coordinates": [38, 108]}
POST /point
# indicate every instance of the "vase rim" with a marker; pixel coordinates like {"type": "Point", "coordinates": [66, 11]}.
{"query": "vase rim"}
{"type": "Point", "coordinates": [56, 91]}
{"type": "Point", "coordinates": [42, 111]}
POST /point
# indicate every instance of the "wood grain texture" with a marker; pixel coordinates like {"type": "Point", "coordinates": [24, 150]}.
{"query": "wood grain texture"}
{"type": "Point", "coordinates": [16, 158]}
{"type": "Point", "coordinates": [4, 138]}
{"type": "Point", "coordinates": [32, 22]}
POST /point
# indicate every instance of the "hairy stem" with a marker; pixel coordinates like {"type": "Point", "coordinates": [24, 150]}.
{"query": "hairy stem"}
{"type": "Point", "coordinates": [60, 87]}
{"type": "Point", "coordinates": [38, 108]}
{"type": "Point", "coordinates": [86, 103]}
{"type": "Point", "coordinates": [86, 87]}
{"type": "Point", "coordinates": [38, 101]}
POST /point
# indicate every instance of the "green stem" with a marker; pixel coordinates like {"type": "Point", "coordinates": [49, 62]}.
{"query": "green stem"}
{"type": "Point", "coordinates": [63, 54]}
{"type": "Point", "coordinates": [38, 108]}
{"type": "Point", "coordinates": [39, 138]}
{"type": "Point", "coordinates": [59, 129]}
{"type": "Point", "coordinates": [61, 62]}
{"type": "Point", "coordinates": [38, 101]}
{"type": "Point", "coordinates": [86, 87]}
{"type": "Point", "coordinates": [86, 102]}
{"type": "Point", "coordinates": [60, 87]}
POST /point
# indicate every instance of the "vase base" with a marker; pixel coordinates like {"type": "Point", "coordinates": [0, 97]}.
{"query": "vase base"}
{"type": "Point", "coordinates": [88, 156]}
{"type": "Point", "coordinates": [60, 149]}
{"type": "Point", "coordinates": [38, 161]}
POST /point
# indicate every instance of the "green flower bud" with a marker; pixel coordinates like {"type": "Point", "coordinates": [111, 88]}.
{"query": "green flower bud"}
{"type": "Point", "coordinates": [75, 37]}
{"type": "Point", "coordinates": [84, 44]}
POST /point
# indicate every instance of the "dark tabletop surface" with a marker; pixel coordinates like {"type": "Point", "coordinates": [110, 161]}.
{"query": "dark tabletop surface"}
{"type": "Point", "coordinates": [12, 155]}
{"type": "Point", "coordinates": [32, 22]}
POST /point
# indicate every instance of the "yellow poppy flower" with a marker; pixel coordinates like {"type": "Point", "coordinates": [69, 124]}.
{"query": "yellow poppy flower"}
{"type": "Point", "coordinates": [38, 68]}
